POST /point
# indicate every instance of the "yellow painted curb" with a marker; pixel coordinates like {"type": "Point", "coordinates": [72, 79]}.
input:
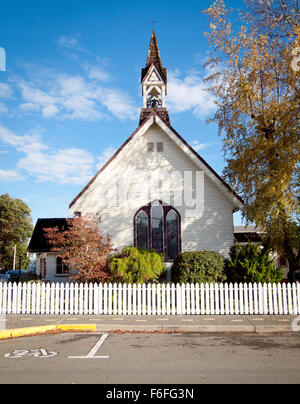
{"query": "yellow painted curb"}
{"type": "Point", "coordinates": [23, 332]}
{"type": "Point", "coordinates": [77, 327]}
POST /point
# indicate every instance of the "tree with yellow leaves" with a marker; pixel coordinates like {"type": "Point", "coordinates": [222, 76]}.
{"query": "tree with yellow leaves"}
{"type": "Point", "coordinates": [255, 81]}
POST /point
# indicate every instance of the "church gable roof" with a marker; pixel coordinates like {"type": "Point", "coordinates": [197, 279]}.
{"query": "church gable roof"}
{"type": "Point", "coordinates": [156, 118]}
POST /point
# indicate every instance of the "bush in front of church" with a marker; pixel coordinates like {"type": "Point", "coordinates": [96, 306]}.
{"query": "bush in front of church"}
{"type": "Point", "coordinates": [252, 264]}
{"type": "Point", "coordinates": [135, 265]}
{"type": "Point", "coordinates": [199, 267]}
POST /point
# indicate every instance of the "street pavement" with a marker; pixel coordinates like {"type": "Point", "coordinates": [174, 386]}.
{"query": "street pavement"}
{"type": "Point", "coordinates": [151, 359]}
{"type": "Point", "coordinates": [193, 324]}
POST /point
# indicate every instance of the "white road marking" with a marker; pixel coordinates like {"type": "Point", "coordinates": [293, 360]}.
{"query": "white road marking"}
{"type": "Point", "coordinates": [93, 351]}
{"type": "Point", "coordinates": [35, 353]}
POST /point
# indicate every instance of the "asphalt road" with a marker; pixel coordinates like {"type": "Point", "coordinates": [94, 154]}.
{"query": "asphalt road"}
{"type": "Point", "coordinates": [148, 358]}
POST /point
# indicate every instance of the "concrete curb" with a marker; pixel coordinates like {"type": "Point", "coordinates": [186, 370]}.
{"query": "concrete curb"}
{"type": "Point", "coordinates": [197, 329]}
{"type": "Point", "coordinates": [24, 332]}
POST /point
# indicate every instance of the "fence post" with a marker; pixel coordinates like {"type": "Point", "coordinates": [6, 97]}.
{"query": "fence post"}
{"type": "Point", "coordinates": [134, 300]}
{"type": "Point", "coordinates": [290, 304]}
{"type": "Point", "coordinates": [193, 299]}
{"type": "Point", "coordinates": [236, 298]}
{"type": "Point", "coordinates": [149, 290]}
{"type": "Point", "coordinates": [265, 298]}
{"type": "Point", "coordinates": [129, 310]}
{"type": "Point", "coordinates": [250, 288]}
{"type": "Point", "coordinates": [246, 299]}
{"type": "Point", "coordinates": [217, 305]}
{"type": "Point", "coordinates": [1, 298]}
{"type": "Point", "coordinates": [96, 299]}
{"type": "Point", "coordinates": [110, 299]}
{"type": "Point", "coordinates": [222, 311]}
{"type": "Point", "coordinates": [275, 301]}
{"type": "Point", "coordinates": [270, 295]}
{"type": "Point", "coordinates": [144, 302]}
{"type": "Point", "coordinates": [280, 305]}
{"type": "Point", "coordinates": [183, 304]}
{"type": "Point", "coordinates": [115, 294]}
{"type": "Point", "coordinates": [70, 298]}
{"type": "Point", "coordinates": [188, 299]}
{"type": "Point", "coordinates": [173, 300]}
{"type": "Point", "coordinates": [154, 299]}
{"type": "Point", "coordinates": [76, 296]}
{"type": "Point", "coordinates": [168, 299]}
{"type": "Point", "coordinates": [295, 299]}
{"type": "Point", "coordinates": [207, 298]}
{"type": "Point", "coordinates": [298, 293]}
{"type": "Point", "coordinates": [158, 300]}
{"type": "Point", "coordinates": [62, 300]}
{"type": "Point", "coordinates": [163, 299]}
{"type": "Point", "coordinates": [124, 299]}
{"type": "Point", "coordinates": [139, 299]}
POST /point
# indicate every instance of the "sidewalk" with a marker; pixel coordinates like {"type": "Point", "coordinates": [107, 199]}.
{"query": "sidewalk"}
{"type": "Point", "coordinates": [189, 324]}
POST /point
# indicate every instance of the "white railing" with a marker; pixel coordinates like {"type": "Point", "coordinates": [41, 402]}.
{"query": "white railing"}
{"type": "Point", "coordinates": [151, 299]}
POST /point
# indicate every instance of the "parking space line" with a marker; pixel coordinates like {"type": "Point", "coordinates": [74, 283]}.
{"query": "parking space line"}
{"type": "Point", "coordinates": [94, 350]}
{"type": "Point", "coordinates": [141, 321]}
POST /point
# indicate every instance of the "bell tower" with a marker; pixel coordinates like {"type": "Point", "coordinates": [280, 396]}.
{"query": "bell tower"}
{"type": "Point", "coordinates": [154, 83]}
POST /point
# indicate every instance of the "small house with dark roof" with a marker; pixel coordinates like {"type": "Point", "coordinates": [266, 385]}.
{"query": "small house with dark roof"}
{"type": "Point", "coordinates": [156, 192]}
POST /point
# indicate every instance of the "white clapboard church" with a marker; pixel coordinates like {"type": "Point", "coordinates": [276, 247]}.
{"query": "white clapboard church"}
{"type": "Point", "coordinates": [156, 191]}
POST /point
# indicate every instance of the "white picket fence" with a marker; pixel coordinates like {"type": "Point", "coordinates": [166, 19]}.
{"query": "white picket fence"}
{"type": "Point", "coordinates": [151, 299]}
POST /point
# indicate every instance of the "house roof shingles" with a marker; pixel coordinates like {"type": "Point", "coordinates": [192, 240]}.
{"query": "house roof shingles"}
{"type": "Point", "coordinates": [38, 242]}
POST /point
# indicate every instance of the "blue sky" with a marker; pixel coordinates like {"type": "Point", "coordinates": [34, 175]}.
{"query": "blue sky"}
{"type": "Point", "coordinates": [71, 91]}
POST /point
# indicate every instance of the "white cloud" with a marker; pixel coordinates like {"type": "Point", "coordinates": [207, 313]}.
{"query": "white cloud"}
{"type": "Point", "coordinates": [77, 97]}
{"type": "Point", "coordinates": [10, 176]}
{"type": "Point", "coordinates": [70, 43]}
{"type": "Point", "coordinates": [63, 166]}
{"type": "Point", "coordinates": [3, 109]}
{"type": "Point", "coordinates": [189, 94]}
{"type": "Point", "coordinates": [200, 146]}
{"type": "Point", "coordinates": [98, 73]}
{"type": "Point", "coordinates": [5, 90]}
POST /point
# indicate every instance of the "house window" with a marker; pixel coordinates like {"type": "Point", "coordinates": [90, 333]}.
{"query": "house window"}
{"type": "Point", "coordinates": [157, 226]}
{"type": "Point", "coordinates": [61, 267]}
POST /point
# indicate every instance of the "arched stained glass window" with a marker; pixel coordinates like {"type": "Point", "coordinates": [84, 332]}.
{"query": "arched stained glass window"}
{"type": "Point", "coordinates": [172, 235]}
{"type": "Point", "coordinates": [158, 227]}
{"type": "Point", "coordinates": [157, 216]}
{"type": "Point", "coordinates": [142, 230]}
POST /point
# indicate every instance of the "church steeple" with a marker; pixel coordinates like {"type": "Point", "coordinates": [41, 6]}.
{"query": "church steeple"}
{"type": "Point", "coordinates": [154, 83]}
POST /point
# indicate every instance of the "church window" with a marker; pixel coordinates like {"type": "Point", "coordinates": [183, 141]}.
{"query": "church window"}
{"type": "Point", "coordinates": [160, 147]}
{"type": "Point", "coordinates": [157, 227]}
{"type": "Point", "coordinates": [142, 229]}
{"type": "Point", "coordinates": [172, 234]}
{"type": "Point", "coordinates": [150, 147]}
